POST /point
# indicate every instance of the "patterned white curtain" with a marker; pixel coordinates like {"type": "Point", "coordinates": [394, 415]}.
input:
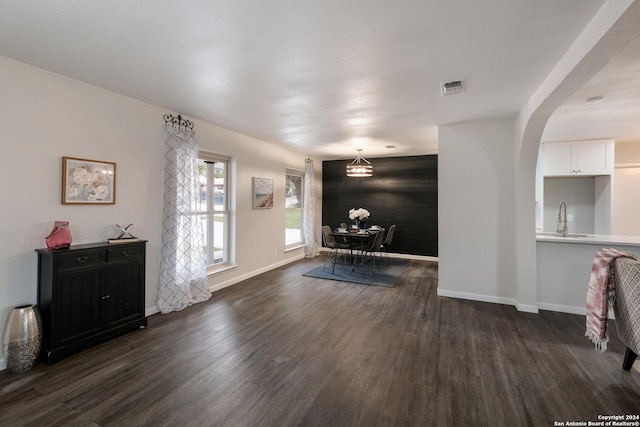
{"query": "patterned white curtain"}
{"type": "Point", "coordinates": [183, 270]}
{"type": "Point", "coordinates": [311, 248]}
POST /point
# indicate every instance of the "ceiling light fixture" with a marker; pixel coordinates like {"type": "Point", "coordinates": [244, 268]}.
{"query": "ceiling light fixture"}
{"type": "Point", "coordinates": [360, 167]}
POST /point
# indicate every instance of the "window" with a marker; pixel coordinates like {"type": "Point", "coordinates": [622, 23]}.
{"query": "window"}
{"type": "Point", "coordinates": [294, 202]}
{"type": "Point", "coordinates": [213, 175]}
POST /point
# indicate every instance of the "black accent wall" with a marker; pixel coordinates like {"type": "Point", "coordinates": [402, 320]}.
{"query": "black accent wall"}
{"type": "Point", "coordinates": [402, 191]}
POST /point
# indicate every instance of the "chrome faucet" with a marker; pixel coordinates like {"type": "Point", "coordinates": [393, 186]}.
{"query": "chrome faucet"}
{"type": "Point", "coordinates": [562, 220]}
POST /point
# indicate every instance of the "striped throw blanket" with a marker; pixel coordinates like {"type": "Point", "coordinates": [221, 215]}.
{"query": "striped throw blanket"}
{"type": "Point", "coordinates": [601, 295]}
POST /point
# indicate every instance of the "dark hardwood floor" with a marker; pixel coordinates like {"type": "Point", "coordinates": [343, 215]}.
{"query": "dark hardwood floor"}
{"type": "Point", "coordinates": [281, 349]}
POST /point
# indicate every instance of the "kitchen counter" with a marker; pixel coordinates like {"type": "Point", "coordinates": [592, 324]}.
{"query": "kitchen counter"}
{"type": "Point", "coordinates": [563, 268]}
{"type": "Point", "coordinates": [592, 239]}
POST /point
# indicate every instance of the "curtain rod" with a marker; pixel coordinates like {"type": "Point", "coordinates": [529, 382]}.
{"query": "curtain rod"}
{"type": "Point", "coordinates": [177, 122]}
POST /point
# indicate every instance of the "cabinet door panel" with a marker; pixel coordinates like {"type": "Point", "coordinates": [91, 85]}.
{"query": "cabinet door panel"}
{"type": "Point", "coordinates": [590, 158]}
{"type": "Point", "coordinates": [125, 291]}
{"type": "Point", "coordinates": [76, 306]}
{"type": "Point", "coordinates": [557, 159]}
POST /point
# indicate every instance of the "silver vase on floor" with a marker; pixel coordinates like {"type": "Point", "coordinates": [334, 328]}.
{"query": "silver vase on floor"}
{"type": "Point", "coordinates": [22, 338]}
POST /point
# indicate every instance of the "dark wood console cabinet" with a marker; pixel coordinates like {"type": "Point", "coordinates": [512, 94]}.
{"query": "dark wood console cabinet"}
{"type": "Point", "coordinates": [88, 294]}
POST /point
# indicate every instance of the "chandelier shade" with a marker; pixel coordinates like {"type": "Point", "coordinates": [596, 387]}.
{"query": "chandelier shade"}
{"type": "Point", "coordinates": [360, 167]}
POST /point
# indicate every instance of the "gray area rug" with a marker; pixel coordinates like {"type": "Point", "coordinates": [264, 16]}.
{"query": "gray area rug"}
{"type": "Point", "coordinates": [387, 275]}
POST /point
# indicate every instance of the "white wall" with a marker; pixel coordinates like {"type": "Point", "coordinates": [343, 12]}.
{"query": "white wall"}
{"type": "Point", "coordinates": [628, 152]}
{"type": "Point", "coordinates": [626, 202]}
{"type": "Point", "coordinates": [475, 210]}
{"type": "Point", "coordinates": [44, 116]}
{"type": "Point", "coordinates": [626, 197]}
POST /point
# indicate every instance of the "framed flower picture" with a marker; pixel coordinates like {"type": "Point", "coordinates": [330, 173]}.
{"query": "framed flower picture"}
{"type": "Point", "coordinates": [87, 182]}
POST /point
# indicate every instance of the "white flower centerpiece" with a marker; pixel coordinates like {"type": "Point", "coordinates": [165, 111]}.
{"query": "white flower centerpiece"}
{"type": "Point", "coordinates": [360, 216]}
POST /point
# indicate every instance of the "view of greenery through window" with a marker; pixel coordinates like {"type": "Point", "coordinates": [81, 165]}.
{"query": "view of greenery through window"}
{"type": "Point", "coordinates": [293, 208]}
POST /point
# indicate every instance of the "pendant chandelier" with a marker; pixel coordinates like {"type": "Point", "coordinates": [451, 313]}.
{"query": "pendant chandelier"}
{"type": "Point", "coordinates": [360, 167]}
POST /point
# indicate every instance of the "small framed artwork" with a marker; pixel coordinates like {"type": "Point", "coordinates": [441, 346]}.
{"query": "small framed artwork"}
{"type": "Point", "coordinates": [262, 193]}
{"type": "Point", "coordinates": [86, 182]}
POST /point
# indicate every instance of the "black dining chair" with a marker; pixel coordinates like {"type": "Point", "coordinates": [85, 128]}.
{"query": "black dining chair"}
{"type": "Point", "coordinates": [370, 253]}
{"type": "Point", "coordinates": [338, 249]}
{"type": "Point", "coordinates": [387, 242]}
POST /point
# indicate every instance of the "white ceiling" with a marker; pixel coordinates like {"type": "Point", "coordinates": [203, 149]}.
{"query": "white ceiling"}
{"type": "Point", "coordinates": [322, 76]}
{"type": "Point", "coordinates": [617, 117]}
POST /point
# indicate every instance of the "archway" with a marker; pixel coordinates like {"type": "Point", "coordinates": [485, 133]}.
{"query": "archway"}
{"type": "Point", "coordinates": [611, 30]}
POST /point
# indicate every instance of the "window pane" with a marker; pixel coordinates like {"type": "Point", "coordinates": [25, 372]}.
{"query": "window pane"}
{"type": "Point", "coordinates": [208, 236]}
{"type": "Point", "coordinates": [202, 182]}
{"type": "Point", "coordinates": [293, 226]}
{"type": "Point", "coordinates": [293, 209]}
{"type": "Point", "coordinates": [294, 191]}
{"type": "Point", "coordinates": [219, 185]}
{"type": "Point", "coordinates": [214, 230]}
{"type": "Point", "coordinates": [219, 227]}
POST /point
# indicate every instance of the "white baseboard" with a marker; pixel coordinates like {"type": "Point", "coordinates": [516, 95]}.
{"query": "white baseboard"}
{"type": "Point", "coordinates": [221, 285]}
{"type": "Point", "coordinates": [526, 308]}
{"type": "Point", "coordinates": [233, 281]}
{"type": "Point", "coordinates": [569, 309]}
{"type": "Point", "coordinates": [477, 297]}
{"type": "Point", "coordinates": [562, 308]}
{"type": "Point", "coordinates": [582, 311]}
{"type": "Point", "coordinates": [416, 257]}
{"type": "Point", "coordinates": [402, 256]}
{"type": "Point", "coordinates": [230, 282]}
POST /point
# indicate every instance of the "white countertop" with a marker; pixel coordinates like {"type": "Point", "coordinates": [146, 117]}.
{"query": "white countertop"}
{"type": "Point", "coordinates": [593, 239]}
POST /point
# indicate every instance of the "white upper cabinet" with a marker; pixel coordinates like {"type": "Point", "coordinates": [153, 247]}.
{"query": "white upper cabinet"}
{"type": "Point", "coordinates": [557, 159]}
{"type": "Point", "coordinates": [576, 158]}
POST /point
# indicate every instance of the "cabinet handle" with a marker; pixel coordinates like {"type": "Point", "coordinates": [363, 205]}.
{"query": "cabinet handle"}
{"type": "Point", "coordinates": [106, 296]}
{"type": "Point", "coordinates": [82, 259]}
{"type": "Point", "coordinates": [126, 253]}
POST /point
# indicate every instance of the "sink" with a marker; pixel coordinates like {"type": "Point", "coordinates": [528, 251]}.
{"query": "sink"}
{"type": "Point", "coordinates": [551, 233]}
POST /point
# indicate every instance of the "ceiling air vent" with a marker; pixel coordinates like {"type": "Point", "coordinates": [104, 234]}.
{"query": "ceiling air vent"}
{"type": "Point", "coordinates": [451, 88]}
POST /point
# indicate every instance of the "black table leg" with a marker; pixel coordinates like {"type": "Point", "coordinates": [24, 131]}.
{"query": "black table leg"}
{"type": "Point", "coordinates": [629, 358]}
